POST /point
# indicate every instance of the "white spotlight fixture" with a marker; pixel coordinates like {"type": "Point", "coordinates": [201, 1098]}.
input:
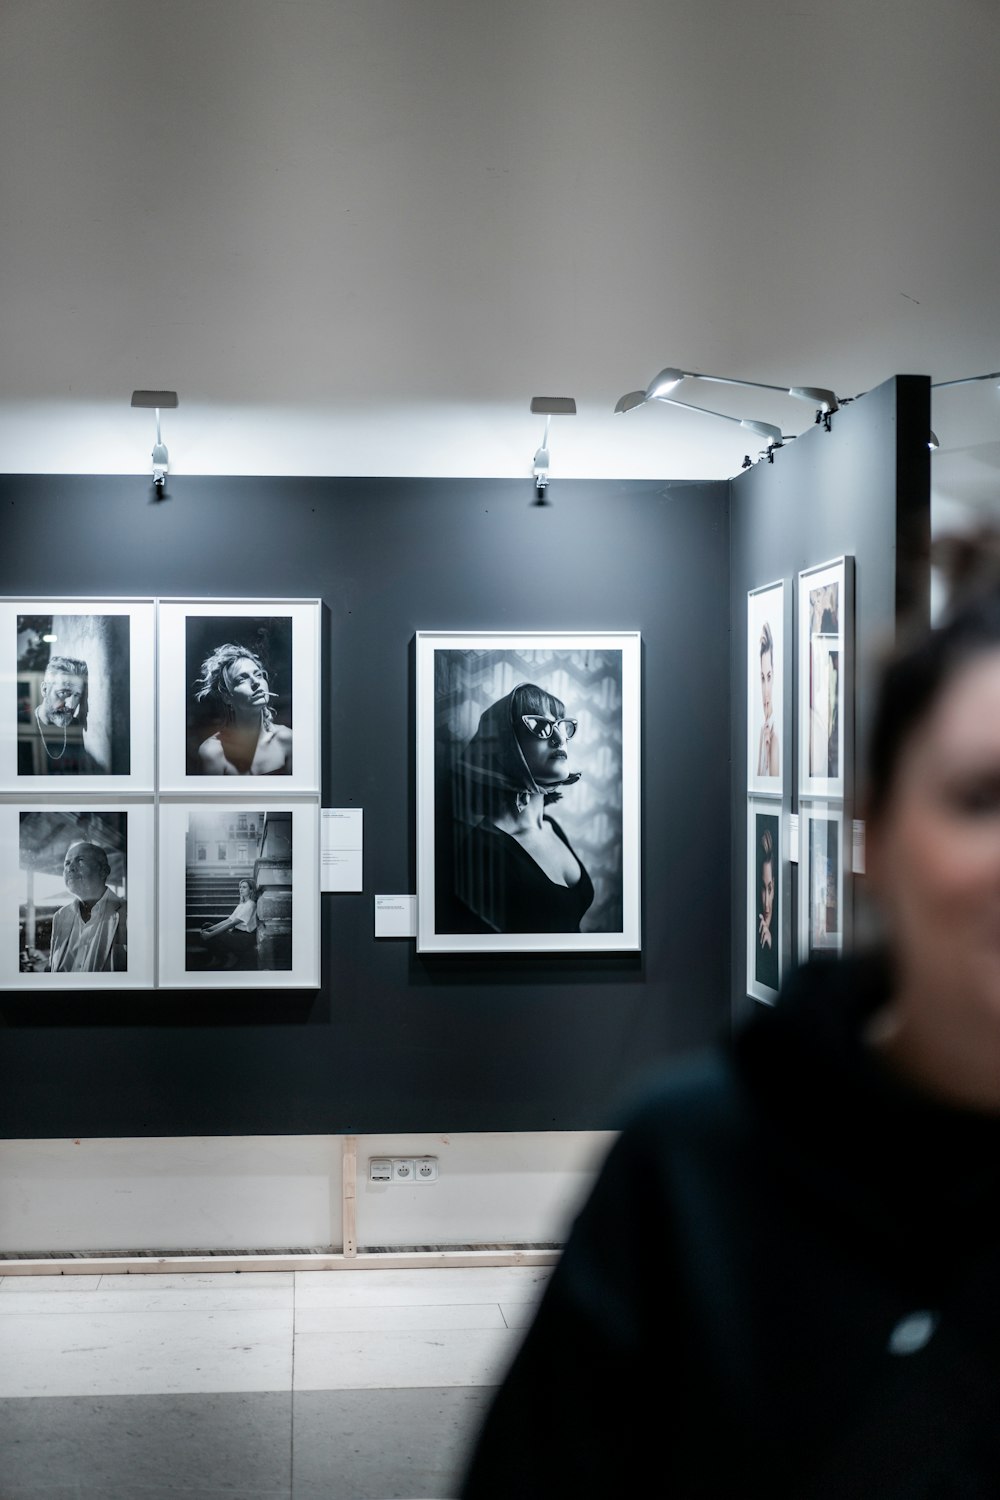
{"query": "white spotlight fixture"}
{"type": "Point", "coordinates": [773, 436]}
{"type": "Point", "coordinates": [669, 379]}
{"type": "Point", "coordinates": [549, 407]}
{"type": "Point", "coordinates": [161, 458]}
{"type": "Point", "coordinates": [937, 385]}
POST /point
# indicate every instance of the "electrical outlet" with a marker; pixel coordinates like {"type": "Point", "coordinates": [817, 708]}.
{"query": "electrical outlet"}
{"type": "Point", "coordinates": [403, 1169]}
{"type": "Point", "coordinates": [379, 1169]}
{"type": "Point", "coordinates": [426, 1168]}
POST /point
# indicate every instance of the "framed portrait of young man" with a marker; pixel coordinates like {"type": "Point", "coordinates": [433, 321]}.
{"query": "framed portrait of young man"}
{"type": "Point", "coordinates": [527, 750]}
{"type": "Point", "coordinates": [239, 895]}
{"type": "Point", "coordinates": [77, 896]}
{"type": "Point", "coordinates": [77, 684]}
{"type": "Point", "coordinates": [826, 678]}
{"type": "Point", "coordinates": [239, 695]}
{"type": "Point", "coordinates": [765, 900]}
{"type": "Point", "coordinates": [766, 676]}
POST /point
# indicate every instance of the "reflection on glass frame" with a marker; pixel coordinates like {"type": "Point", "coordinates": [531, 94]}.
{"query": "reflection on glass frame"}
{"type": "Point", "coordinates": [76, 677]}
{"type": "Point", "coordinates": [239, 895]}
{"type": "Point", "coordinates": [821, 901]}
{"type": "Point", "coordinates": [527, 791]}
{"type": "Point", "coordinates": [239, 695]}
{"type": "Point", "coordinates": [765, 900]}
{"type": "Point", "coordinates": [77, 907]}
{"type": "Point", "coordinates": [826, 677]}
{"type": "Point", "coordinates": [766, 676]}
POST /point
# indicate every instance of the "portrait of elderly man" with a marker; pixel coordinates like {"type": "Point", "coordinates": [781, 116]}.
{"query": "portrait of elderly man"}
{"type": "Point", "coordinates": [88, 933]}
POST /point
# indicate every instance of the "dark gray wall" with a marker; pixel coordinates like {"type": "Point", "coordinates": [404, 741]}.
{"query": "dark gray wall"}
{"type": "Point", "coordinates": [395, 1041]}
{"type": "Point", "coordinates": [861, 489]}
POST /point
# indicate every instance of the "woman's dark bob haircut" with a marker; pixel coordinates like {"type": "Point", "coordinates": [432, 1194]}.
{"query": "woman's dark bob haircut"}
{"type": "Point", "coordinates": [924, 664]}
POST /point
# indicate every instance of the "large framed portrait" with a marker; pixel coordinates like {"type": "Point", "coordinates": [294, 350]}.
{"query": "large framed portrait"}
{"type": "Point", "coordinates": [527, 791]}
{"type": "Point", "coordinates": [239, 895]}
{"type": "Point", "coordinates": [76, 897]}
{"type": "Point", "coordinates": [239, 695]}
{"type": "Point", "coordinates": [765, 688]}
{"type": "Point", "coordinates": [822, 889]}
{"type": "Point", "coordinates": [765, 900]}
{"type": "Point", "coordinates": [826, 677]}
{"type": "Point", "coordinates": [76, 677]}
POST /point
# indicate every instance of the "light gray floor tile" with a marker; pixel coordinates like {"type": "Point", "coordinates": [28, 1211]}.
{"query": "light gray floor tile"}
{"type": "Point", "coordinates": [16, 1286]}
{"type": "Point", "coordinates": [384, 1445]}
{"type": "Point", "coordinates": [152, 1298]}
{"type": "Point", "coordinates": [215, 1281]}
{"type": "Point", "coordinates": [371, 1360]}
{"type": "Point", "coordinates": [397, 1288]}
{"type": "Point", "coordinates": [237, 1443]}
{"type": "Point", "coordinates": [400, 1319]}
{"type": "Point", "coordinates": [145, 1353]}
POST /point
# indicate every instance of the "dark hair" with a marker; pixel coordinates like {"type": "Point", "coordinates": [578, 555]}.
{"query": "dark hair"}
{"type": "Point", "coordinates": [925, 662]}
{"type": "Point", "coordinates": [766, 642]}
{"type": "Point", "coordinates": [766, 850]}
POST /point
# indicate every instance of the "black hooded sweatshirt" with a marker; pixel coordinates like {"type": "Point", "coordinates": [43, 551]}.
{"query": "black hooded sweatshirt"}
{"type": "Point", "coordinates": [785, 1283]}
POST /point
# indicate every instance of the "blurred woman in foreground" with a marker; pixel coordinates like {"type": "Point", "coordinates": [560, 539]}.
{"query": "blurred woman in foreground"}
{"type": "Point", "coordinates": [784, 1282]}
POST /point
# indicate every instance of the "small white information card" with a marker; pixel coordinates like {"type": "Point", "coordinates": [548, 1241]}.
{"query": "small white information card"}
{"type": "Point", "coordinates": [396, 916]}
{"type": "Point", "coordinates": [340, 849]}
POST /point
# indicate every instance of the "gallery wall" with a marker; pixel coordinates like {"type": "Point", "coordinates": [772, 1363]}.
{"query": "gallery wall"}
{"type": "Point", "coordinates": [394, 1040]}
{"type": "Point", "coordinates": [861, 489]}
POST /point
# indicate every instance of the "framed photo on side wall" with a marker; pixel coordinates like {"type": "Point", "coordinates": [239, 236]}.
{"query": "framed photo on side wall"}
{"type": "Point", "coordinates": [239, 695]}
{"type": "Point", "coordinates": [765, 900]}
{"type": "Point", "coordinates": [826, 678]}
{"type": "Point", "coordinates": [822, 888]}
{"type": "Point", "coordinates": [766, 676]}
{"type": "Point", "coordinates": [76, 696]}
{"type": "Point", "coordinates": [527, 791]}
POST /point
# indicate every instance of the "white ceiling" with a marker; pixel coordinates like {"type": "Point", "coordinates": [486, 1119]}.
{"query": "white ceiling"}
{"type": "Point", "coordinates": [357, 236]}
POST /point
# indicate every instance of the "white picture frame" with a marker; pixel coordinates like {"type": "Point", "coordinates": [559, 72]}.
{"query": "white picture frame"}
{"type": "Point", "coordinates": [77, 690]}
{"type": "Point", "coordinates": [822, 888]}
{"type": "Point", "coordinates": [38, 918]}
{"type": "Point", "coordinates": [765, 922]}
{"type": "Point", "coordinates": [478, 889]}
{"type": "Point", "coordinates": [193, 732]}
{"type": "Point", "coordinates": [825, 632]}
{"type": "Point", "coordinates": [766, 677]}
{"type": "Point", "coordinates": [256, 832]}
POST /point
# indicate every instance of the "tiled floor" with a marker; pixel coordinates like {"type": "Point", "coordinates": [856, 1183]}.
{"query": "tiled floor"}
{"type": "Point", "coordinates": [304, 1385]}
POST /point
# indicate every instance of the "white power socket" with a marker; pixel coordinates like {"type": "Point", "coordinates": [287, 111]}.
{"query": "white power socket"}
{"type": "Point", "coordinates": [402, 1169]}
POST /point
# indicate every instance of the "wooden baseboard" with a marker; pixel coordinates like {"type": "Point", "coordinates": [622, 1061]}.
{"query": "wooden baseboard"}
{"type": "Point", "coordinates": [363, 1260]}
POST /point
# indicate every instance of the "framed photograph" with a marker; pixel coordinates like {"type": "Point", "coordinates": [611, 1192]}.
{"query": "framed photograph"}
{"type": "Point", "coordinates": [821, 901]}
{"type": "Point", "coordinates": [765, 689]}
{"type": "Point", "coordinates": [77, 897]}
{"type": "Point", "coordinates": [527, 791]}
{"type": "Point", "coordinates": [765, 915]}
{"type": "Point", "coordinates": [76, 684]}
{"type": "Point", "coordinates": [239, 895]}
{"type": "Point", "coordinates": [239, 695]}
{"type": "Point", "coordinates": [826, 677]}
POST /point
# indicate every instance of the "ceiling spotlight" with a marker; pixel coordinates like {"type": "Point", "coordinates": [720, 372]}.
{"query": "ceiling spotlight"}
{"type": "Point", "coordinates": [937, 385]}
{"type": "Point", "coordinates": [549, 406]}
{"type": "Point", "coordinates": [669, 379]}
{"type": "Point", "coordinates": [932, 441]}
{"type": "Point", "coordinates": [773, 436]}
{"type": "Point", "coordinates": [161, 458]}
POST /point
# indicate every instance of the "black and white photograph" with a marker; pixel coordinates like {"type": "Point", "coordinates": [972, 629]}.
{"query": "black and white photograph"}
{"type": "Point", "coordinates": [78, 880]}
{"type": "Point", "coordinates": [764, 903]}
{"type": "Point", "coordinates": [238, 889]}
{"type": "Point", "coordinates": [766, 671]}
{"type": "Point", "coordinates": [238, 895]}
{"type": "Point", "coordinates": [528, 787]}
{"type": "Point", "coordinates": [81, 717]}
{"type": "Point", "coordinates": [825, 601]}
{"type": "Point", "coordinates": [821, 881]}
{"type": "Point", "coordinates": [238, 694]}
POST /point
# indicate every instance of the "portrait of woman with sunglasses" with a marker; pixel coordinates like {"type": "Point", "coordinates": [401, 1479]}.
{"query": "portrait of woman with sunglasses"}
{"type": "Point", "coordinates": [515, 869]}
